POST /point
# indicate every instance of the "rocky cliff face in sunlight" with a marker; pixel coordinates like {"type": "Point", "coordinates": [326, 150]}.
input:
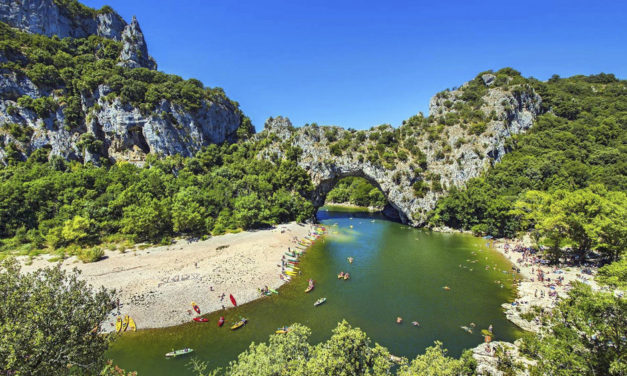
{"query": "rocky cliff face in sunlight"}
{"type": "Point", "coordinates": [421, 160]}
{"type": "Point", "coordinates": [108, 127]}
{"type": "Point", "coordinates": [47, 17]}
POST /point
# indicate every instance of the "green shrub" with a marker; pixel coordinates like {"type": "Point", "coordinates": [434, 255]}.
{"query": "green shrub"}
{"type": "Point", "coordinates": [90, 254]}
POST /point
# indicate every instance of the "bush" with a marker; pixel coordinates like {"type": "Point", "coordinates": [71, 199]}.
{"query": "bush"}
{"type": "Point", "coordinates": [90, 254]}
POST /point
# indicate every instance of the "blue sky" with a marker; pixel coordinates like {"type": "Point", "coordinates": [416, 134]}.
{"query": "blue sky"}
{"type": "Point", "coordinates": [364, 63]}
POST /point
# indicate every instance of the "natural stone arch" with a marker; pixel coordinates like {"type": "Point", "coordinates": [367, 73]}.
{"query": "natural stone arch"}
{"type": "Point", "coordinates": [324, 184]}
{"type": "Point", "coordinates": [444, 155]}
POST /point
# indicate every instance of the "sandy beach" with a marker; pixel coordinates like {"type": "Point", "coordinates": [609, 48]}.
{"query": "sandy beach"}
{"type": "Point", "coordinates": [535, 291]}
{"type": "Point", "coordinates": [157, 285]}
{"type": "Point", "coordinates": [532, 291]}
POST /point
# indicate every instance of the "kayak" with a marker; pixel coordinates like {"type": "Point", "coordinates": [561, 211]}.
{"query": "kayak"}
{"type": "Point", "coordinates": [174, 354]}
{"type": "Point", "coordinates": [125, 323]}
{"type": "Point", "coordinates": [221, 321]}
{"type": "Point", "coordinates": [233, 300]}
{"type": "Point", "coordinates": [283, 330]}
{"type": "Point", "coordinates": [118, 324]}
{"type": "Point", "coordinates": [320, 301]}
{"type": "Point", "coordinates": [196, 308]}
{"type": "Point", "coordinates": [131, 324]}
{"type": "Point", "coordinates": [346, 276]}
{"type": "Point", "coordinates": [200, 319]}
{"type": "Point", "coordinates": [239, 324]}
{"type": "Point", "coordinates": [309, 288]}
{"type": "Point", "coordinates": [340, 276]}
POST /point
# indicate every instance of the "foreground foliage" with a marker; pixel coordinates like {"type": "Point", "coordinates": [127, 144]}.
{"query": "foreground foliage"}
{"type": "Point", "coordinates": [349, 351]}
{"type": "Point", "coordinates": [48, 322]}
{"type": "Point", "coordinates": [586, 335]}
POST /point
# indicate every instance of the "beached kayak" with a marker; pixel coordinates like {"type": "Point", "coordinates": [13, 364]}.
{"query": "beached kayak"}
{"type": "Point", "coordinates": [118, 324]}
{"type": "Point", "coordinates": [131, 324]}
{"type": "Point", "coordinates": [125, 323]}
{"type": "Point", "coordinates": [221, 321]}
{"type": "Point", "coordinates": [196, 308]}
{"type": "Point", "coordinates": [320, 301]}
{"type": "Point", "coordinates": [239, 324]}
{"type": "Point", "coordinates": [273, 291]}
{"type": "Point", "coordinates": [233, 300]}
{"type": "Point", "coordinates": [200, 319]}
{"type": "Point", "coordinates": [174, 354]}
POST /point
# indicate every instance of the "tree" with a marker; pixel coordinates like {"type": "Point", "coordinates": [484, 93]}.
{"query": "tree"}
{"type": "Point", "coordinates": [347, 352]}
{"type": "Point", "coordinates": [49, 321]}
{"type": "Point", "coordinates": [614, 274]}
{"type": "Point", "coordinates": [587, 335]}
{"type": "Point", "coordinates": [434, 362]}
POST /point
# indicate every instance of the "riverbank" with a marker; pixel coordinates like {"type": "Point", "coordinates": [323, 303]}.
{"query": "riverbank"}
{"type": "Point", "coordinates": [156, 285]}
{"type": "Point", "coordinates": [348, 205]}
{"type": "Point", "coordinates": [539, 289]}
{"type": "Point", "coordinates": [540, 286]}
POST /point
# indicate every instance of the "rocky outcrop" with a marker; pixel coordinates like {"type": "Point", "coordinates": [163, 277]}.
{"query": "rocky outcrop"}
{"type": "Point", "coordinates": [114, 130]}
{"type": "Point", "coordinates": [452, 155]}
{"type": "Point", "coordinates": [134, 51]}
{"type": "Point", "coordinates": [47, 17]}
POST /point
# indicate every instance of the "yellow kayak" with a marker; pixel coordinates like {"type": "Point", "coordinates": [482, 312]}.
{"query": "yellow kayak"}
{"type": "Point", "coordinates": [118, 324]}
{"type": "Point", "coordinates": [125, 323]}
{"type": "Point", "coordinates": [239, 324]}
{"type": "Point", "coordinates": [131, 324]}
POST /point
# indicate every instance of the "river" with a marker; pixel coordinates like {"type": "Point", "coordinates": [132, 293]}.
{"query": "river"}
{"type": "Point", "coordinates": [397, 271]}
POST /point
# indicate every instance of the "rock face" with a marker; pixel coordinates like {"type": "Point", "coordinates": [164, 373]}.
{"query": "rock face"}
{"type": "Point", "coordinates": [459, 153]}
{"type": "Point", "coordinates": [116, 131]}
{"type": "Point", "coordinates": [108, 128]}
{"type": "Point", "coordinates": [47, 18]}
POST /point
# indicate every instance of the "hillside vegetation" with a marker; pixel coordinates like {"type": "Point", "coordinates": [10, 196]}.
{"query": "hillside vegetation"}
{"type": "Point", "coordinates": [578, 142]}
{"type": "Point", "coordinates": [70, 207]}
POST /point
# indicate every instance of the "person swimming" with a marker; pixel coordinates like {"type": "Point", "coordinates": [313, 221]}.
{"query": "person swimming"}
{"type": "Point", "coordinates": [399, 320]}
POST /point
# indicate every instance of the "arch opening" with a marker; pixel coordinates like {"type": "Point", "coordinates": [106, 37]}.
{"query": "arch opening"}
{"type": "Point", "coordinates": [358, 190]}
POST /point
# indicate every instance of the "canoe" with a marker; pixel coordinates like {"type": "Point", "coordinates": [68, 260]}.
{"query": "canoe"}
{"type": "Point", "coordinates": [309, 288]}
{"type": "Point", "coordinates": [174, 354]}
{"type": "Point", "coordinates": [131, 324]}
{"type": "Point", "coordinates": [125, 323]}
{"type": "Point", "coordinates": [320, 301]}
{"type": "Point", "coordinates": [239, 324]}
{"type": "Point", "coordinates": [200, 319]}
{"type": "Point", "coordinates": [233, 300]}
{"type": "Point", "coordinates": [196, 308]}
{"type": "Point", "coordinates": [221, 321]}
{"type": "Point", "coordinates": [118, 324]}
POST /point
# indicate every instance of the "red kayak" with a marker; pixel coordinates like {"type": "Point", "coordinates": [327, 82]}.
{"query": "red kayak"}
{"type": "Point", "coordinates": [196, 308]}
{"type": "Point", "coordinates": [200, 319]}
{"type": "Point", "coordinates": [221, 321]}
{"type": "Point", "coordinates": [233, 300]}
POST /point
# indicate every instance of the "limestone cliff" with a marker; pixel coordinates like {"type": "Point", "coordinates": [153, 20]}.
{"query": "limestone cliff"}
{"type": "Point", "coordinates": [71, 19]}
{"type": "Point", "coordinates": [88, 100]}
{"type": "Point", "coordinates": [413, 165]}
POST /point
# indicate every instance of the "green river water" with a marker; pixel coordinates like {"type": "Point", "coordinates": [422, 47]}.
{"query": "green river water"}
{"type": "Point", "coordinates": [397, 271]}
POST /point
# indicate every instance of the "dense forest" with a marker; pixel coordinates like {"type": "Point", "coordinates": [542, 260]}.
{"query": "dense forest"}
{"type": "Point", "coordinates": [72, 207]}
